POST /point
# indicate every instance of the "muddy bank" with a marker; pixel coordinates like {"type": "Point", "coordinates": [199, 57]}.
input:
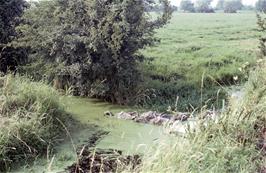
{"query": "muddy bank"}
{"type": "Point", "coordinates": [103, 160]}
{"type": "Point", "coordinates": [91, 159]}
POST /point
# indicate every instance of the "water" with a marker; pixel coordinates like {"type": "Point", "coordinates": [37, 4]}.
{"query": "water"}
{"type": "Point", "coordinates": [127, 136]}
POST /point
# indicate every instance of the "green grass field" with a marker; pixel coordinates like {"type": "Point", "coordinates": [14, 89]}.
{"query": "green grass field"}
{"type": "Point", "coordinates": [218, 46]}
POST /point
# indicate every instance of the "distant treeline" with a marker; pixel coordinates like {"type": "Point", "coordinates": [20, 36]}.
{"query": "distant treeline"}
{"type": "Point", "coordinates": [159, 8]}
{"type": "Point", "coordinates": [228, 6]}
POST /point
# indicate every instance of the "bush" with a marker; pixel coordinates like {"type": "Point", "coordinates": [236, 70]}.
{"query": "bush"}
{"type": "Point", "coordinates": [30, 120]}
{"type": "Point", "coordinates": [92, 42]}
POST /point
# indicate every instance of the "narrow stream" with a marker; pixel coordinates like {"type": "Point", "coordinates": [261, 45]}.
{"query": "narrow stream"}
{"type": "Point", "coordinates": [128, 136]}
{"type": "Point", "coordinates": [124, 135]}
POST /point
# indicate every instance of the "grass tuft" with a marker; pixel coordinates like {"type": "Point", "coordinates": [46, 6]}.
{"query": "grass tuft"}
{"type": "Point", "coordinates": [29, 114]}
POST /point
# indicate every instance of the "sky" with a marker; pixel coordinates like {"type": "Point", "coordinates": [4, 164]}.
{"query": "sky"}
{"type": "Point", "coordinates": [245, 2]}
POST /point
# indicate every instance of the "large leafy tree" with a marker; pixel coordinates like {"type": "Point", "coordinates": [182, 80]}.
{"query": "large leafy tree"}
{"type": "Point", "coordinates": [93, 45]}
{"type": "Point", "coordinates": [10, 11]}
{"type": "Point", "coordinates": [261, 5]}
{"type": "Point", "coordinates": [204, 6]}
{"type": "Point", "coordinates": [187, 5]}
{"type": "Point", "coordinates": [232, 6]}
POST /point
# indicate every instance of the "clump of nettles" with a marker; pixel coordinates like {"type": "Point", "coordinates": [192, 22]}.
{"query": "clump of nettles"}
{"type": "Point", "coordinates": [31, 119]}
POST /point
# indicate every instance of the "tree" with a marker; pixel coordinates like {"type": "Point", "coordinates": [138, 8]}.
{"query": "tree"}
{"type": "Point", "coordinates": [10, 11]}
{"type": "Point", "coordinates": [187, 5]}
{"type": "Point", "coordinates": [220, 5]}
{"type": "Point", "coordinates": [175, 8]}
{"type": "Point", "coordinates": [204, 6]}
{"type": "Point", "coordinates": [231, 6]}
{"type": "Point", "coordinates": [92, 45]}
{"type": "Point", "coordinates": [158, 8]}
{"type": "Point", "coordinates": [261, 5]}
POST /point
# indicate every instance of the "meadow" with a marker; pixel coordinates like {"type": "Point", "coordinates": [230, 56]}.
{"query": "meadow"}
{"type": "Point", "coordinates": [199, 54]}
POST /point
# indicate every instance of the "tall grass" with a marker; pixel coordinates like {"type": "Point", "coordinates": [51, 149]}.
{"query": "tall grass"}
{"type": "Point", "coordinates": [230, 145]}
{"type": "Point", "coordinates": [217, 45]}
{"type": "Point", "coordinates": [30, 117]}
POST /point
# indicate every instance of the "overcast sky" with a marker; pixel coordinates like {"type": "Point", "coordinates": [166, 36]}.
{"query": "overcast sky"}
{"type": "Point", "coordinates": [246, 2]}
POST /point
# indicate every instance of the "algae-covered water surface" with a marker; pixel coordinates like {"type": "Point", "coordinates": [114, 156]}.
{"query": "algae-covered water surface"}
{"type": "Point", "coordinates": [124, 135]}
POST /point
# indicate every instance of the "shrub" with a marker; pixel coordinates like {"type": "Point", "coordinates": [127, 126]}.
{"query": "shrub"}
{"type": "Point", "coordinates": [92, 42]}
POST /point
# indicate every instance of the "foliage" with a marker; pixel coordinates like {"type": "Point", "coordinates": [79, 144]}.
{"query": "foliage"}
{"type": "Point", "coordinates": [94, 43]}
{"type": "Point", "coordinates": [10, 11]}
{"type": "Point", "coordinates": [231, 6]}
{"type": "Point", "coordinates": [175, 8]}
{"type": "Point", "coordinates": [31, 117]}
{"type": "Point", "coordinates": [158, 7]}
{"type": "Point", "coordinates": [187, 5]}
{"type": "Point", "coordinates": [220, 5]}
{"type": "Point", "coordinates": [11, 58]}
{"type": "Point", "coordinates": [261, 5]}
{"type": "Point", "coordinates": [204, 6]}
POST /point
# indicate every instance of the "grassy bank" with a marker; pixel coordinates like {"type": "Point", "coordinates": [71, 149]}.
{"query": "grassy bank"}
{"type": "Point", "coordinates": [216, 47]}
{"type": "Point", "coordinates": [30, 120]}
{"type": "Point", "coordinates": [235, 144]}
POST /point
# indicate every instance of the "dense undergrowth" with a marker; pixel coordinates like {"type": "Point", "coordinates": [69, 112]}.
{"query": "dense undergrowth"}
{"type": "Point", "coordinates": [158, 95]}
{"type": "Point", "coordinates": [236, 143]}
{"type": "Point", "coordinates": [31, 120]}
